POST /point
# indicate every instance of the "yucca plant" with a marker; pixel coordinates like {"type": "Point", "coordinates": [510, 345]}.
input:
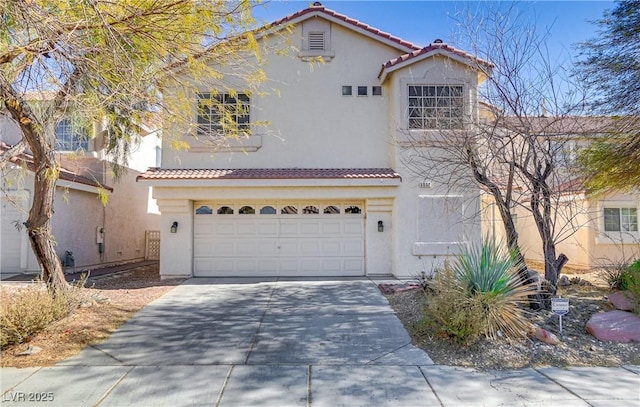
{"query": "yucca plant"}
{"type": "Point", "coordinates": [488, 272]}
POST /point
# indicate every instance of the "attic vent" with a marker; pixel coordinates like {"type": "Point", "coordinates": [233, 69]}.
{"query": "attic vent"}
{"type": "Point", "coordinates": [316, 41]}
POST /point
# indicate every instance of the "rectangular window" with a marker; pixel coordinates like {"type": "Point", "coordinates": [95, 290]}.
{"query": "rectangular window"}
{"type": "Point", "coordinates": [362, 91]}
{"type": "Point", "coordinates": [70, 137]}
{"type": "Point", "coordinates": [223, 114]}
{"type": "Point", "coordinates": [376, 90]}
{"type": "Point", "coordinates": [316, 41]}
{"type": "Point", "coordinates": [435, 107]}
{"type": "Point", "coordinates": [347, 91]}
{"type": "Point", "coordinates": [620, 219]}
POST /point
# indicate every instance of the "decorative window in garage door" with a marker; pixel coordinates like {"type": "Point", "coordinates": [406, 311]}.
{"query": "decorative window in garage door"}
{"type": "Point", "coordinates": [321, 209]}
{"type": "Point", "coordinates": [204, 210]}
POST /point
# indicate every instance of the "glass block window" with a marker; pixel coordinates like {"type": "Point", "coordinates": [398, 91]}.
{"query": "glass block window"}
{"type": "Point", "coordinates": [435, 107]}
{"type": "Point", "coordinates": [223, 114]}
{"type": "Point", "coordinates": [70, 137]}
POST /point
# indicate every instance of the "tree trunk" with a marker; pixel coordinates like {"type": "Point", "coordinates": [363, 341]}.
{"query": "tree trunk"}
{"type": "Point", "coordinates": [39, 226]}
{"type": "Point", "coordinates": [45, 168]}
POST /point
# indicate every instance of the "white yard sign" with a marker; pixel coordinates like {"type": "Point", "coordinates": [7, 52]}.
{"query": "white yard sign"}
{"type": "Point", "coordinates": [560, 307]}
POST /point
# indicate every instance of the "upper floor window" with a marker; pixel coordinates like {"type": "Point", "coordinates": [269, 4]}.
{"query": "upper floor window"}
{"type": "Point", "coordinates": [435, 107]}
{"type": "Point", "coordinates": [223, 114]}
{"type": "Point", "coordinates": [70, 137]}
{"type": "Point", "coordinates": [620, 219]}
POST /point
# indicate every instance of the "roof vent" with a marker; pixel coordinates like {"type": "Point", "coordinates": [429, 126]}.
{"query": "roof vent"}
{"type": "Point", "coordinates": [437, 41]}
{"type": "Point", "coordinates": [317, 4]}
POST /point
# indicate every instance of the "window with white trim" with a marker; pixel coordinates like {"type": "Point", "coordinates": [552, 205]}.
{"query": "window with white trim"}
{"type": "Point", "coordinates": [223, 114]}
{"type": "Point", "coordinates": [435, 106]}
{"type": "Point", "coordinates": [70, 137]}
{"type": "Point", "coordinates": [620, 220]}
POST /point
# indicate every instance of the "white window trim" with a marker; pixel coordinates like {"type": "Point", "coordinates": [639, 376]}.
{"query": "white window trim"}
{"type": "Point", "coordinates": [615, 237]}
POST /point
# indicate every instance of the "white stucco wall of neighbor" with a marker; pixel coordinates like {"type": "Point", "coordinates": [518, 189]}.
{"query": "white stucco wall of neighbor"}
{"type": "Point", "coordinates": [79, 212]}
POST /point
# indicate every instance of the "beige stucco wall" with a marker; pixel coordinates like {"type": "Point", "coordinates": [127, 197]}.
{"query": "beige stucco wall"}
{"type": "Point", "coordinates": [311, 125]}
{"type": "Point", "coordinates": [588, 246]}
{"type": "Point", "coordinates": [417, 251]}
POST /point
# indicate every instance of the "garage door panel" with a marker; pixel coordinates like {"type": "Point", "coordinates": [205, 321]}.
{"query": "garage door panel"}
{"type": "Point", "coordinates": [331, 247]}
{"type": "Point", "coordinates": [268, 228]}
{"type": "Point", "coordinates": [332, 228]}
{"type": "Point", "coordinates": [279, 245]}
{"type": "Point", "coordinates": [310, 228]}
{"type": "Point", "coordinates": [353, 266]}
{"type": "Point", "coordinates": [246, 248]}
{"type": "Point", "coordinates": [289, 267]}
{"type": "Point", "coordinates": [289, 227]}
{"type": "Point", "coordinates": [354, 228]}
{"type": "Point", "coordinates": [203, 229]}
{"type": "Point", "coordinates": [225, 228]}
{"type": "Point", "coordinates": [353, 247]}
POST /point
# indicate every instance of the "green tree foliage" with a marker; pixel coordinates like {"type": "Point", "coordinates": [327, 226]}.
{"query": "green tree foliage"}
{"type": "Point", "coordinates": [107, 62]}
{"type": "Point", "coordinates": [611, 66]}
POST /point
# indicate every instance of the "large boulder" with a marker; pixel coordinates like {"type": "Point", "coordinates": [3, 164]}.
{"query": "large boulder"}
{"type": "Point", "coordinates": [622, 300]}
{"type": "Point", "coordinates": [616, 326]}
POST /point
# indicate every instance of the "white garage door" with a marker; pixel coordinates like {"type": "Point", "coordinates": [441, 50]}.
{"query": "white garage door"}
{"type": "Point", "coordinates": [11, 237]}
{"type": "Point", "coordinates": [279, 239]}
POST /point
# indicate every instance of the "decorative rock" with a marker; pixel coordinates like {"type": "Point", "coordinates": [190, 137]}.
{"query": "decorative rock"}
{"type": "Point", "coordinates": [616, 326]}
{"type": "Point", "coordinates": [30, 351]}
{"type": "Point", "coordinates": [564, 281]}
{"type": "Point", "coordinates": [622, 300]}
{"type": "Point", "coordinates": [545, 336]}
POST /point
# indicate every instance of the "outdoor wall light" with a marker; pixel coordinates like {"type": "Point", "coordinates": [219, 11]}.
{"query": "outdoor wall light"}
{"type": "Point", "coordinates": [380, 226]}
{"type": "Point", "coordinates": [174, 227]}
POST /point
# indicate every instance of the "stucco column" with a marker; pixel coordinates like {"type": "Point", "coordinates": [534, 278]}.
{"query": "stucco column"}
{"type": "Point", "coordinates": [176, 249]}
{"type": "Point", "coordinates": [379, 245]}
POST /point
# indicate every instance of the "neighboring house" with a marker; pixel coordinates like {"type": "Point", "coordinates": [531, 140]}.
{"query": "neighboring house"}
{"type": "Point", "coordinates": [593, 229]}
{"type": "Point", "coordinates": [95, 234]}
{"type": "Point", "coordinates": [321, 190]}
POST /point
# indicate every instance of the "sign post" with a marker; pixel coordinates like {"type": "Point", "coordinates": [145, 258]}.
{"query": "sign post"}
{"type": "Point", "coordinates": [560, 307]}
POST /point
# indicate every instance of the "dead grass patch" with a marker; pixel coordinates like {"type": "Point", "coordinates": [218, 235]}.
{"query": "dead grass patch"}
{"type": "Point", "coordinates": [126, 293]}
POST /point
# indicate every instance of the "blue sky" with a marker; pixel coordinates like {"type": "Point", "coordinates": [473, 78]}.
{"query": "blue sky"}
{"type": "Point", "coordinates": [423, 21]}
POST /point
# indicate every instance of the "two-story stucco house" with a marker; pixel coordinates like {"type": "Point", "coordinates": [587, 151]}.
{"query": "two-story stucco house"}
{"type": "Point", "coordinates": [95, 234]}
{"type": "Point", "coordinates": [322, 189]}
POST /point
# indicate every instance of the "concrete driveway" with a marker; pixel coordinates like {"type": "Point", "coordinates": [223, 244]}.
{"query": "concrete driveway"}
{"type": "Point", "coordinates": [215, 342]}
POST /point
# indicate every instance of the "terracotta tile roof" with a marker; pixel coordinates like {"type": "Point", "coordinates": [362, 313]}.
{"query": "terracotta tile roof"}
{"type": "Point", "coordinates": [65, 174]}
{"type": "Point", "coordinates": [269, 173]}
{"type": "Point", "coordinates": [317, 7]}
{"type": "Point", "coordinates": [434, 46]}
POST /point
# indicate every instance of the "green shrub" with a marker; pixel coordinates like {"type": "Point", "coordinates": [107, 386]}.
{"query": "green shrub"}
{"type": "Point", "coordinates": [451, 312]}
{"type": "Point", "coordinates": [28, 310]}
{"type": "Point", "coordinates": [613, 273]}
{"type": "Point", "coordinates": [631, 282]}
{"type": "Point", "coordinates": [480, 294]}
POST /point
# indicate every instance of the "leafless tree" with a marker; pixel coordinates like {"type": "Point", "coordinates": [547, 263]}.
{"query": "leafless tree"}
{"type": "Point", "coordinates": [518, 146]}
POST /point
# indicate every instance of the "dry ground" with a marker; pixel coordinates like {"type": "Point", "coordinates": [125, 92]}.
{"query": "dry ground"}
{"type": "Point", "coordinates": [577, 347]}
{"type": "Point", "coordinates": [126, 294]}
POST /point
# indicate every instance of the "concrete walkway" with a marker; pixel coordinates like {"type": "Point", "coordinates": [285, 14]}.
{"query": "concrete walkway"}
{"type": "Point", "coordinates": [215, 342]}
